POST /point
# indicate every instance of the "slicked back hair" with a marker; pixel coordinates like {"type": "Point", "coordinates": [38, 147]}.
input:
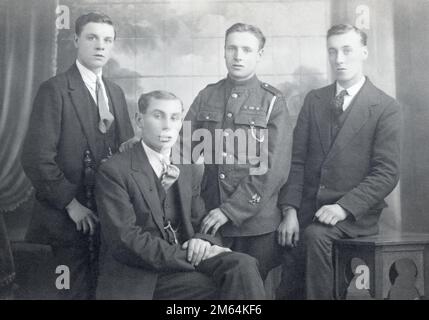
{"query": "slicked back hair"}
{"type": "Point", "coordinates": [96, 17]}
{"type": "Point", "coordinates": [146, 98]}
{"type": "Point", "coordinates": [345, 28]}
{"type": "Point", "coordinates": [242, 27]}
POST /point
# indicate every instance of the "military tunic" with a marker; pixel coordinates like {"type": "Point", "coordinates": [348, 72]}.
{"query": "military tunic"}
{"type": "Point", "coordinates": [249, 200]}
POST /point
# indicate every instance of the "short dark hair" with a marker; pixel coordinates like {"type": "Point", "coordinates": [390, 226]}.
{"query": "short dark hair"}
{"type": "Point", "coordinates": [242, 27]}
{"type": "Point", "coordinates": [145, 99]}
{"type": "Point", "coordinates": [96, 17]}
{"type": "Point", "coordinates": [344, 28]}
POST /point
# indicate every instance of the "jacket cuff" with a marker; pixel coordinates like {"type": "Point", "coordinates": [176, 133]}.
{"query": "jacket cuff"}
{"type": "Point", "coordinates": [225, 207]}
{"type": "Point", "coordinates": [61, 194]}
{"type": "Point", "coordinates": [352, 206]}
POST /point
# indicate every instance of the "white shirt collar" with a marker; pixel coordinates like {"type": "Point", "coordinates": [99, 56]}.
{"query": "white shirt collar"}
{"type": "Point", "coordinates": [155, 158]}
{"type": "Point", "coordinates": [353, 90]}
{"type": "Point", "coordinates": [88, 76]}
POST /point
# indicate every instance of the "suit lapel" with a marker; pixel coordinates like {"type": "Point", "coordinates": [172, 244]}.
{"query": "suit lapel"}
{"type": "Point", "coordinates": [117, 109]}
{"type": "Point", "coordinates": [322, 115]}
{"type": "Point", "coordinates": [359, 115]}
{"type": "Point", "coordinates": [80, 100]}
{"type": "Point", "coordinates": [143, 176]}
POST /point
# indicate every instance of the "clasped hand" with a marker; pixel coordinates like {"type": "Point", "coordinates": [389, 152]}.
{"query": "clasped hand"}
{"type": "Point", "coordinates": [214, 220]}
{"type": "Point", "coordinates": [331, 214]}
{"type": "Point", "coordinates": [84, 218]}
{"type": "Point", "coordinates": [199, 250]}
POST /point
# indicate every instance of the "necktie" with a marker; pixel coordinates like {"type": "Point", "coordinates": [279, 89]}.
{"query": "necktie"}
{"type": "Point", "coordinates": [338, 102]}
{"type": "Point", "coordinates": [106, 118]}
{"type": "Point", "coordinates": [169, 175]}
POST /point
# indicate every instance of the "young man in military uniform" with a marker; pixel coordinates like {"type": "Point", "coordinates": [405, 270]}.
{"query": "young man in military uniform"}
{"type": "Point", "coordinates": [240, 187]}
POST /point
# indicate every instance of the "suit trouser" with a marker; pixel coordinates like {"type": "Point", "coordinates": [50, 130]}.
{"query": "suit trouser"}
{"type": "Point", "coordinates": [227, 276]}
{"type": "Point", "coordinates": [309, 267]}
{"type": "Point", "coordinates": [82, 276]}
{"type": "Point", "coordinates": [264, 248]}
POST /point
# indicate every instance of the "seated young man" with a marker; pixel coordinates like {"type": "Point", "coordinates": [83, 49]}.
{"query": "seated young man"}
{"type": "Point", "coordinates": [149, 212]}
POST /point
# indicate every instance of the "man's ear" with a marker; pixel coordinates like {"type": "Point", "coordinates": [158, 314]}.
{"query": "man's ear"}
{"type": "Point", "coordinates": [138, 119]}
{"type": "Point", "coordinates": [260, 53]}
{"type": "Point", "coordinates": [365, 52]}
{"type": "Point", "coordinates": [76, 40]}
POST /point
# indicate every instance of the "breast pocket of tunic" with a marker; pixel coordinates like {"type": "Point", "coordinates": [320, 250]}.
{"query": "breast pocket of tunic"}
{"type": "Point", "coordinates": [209, 118]}
{"type": "Point", "coordinates": [204, 139]}
{"type": "Point", "coordinates": [255, 127]}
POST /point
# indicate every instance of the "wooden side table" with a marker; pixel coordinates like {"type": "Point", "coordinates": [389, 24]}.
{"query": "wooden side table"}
{"type": "Point", "coordinates": [379, 253]}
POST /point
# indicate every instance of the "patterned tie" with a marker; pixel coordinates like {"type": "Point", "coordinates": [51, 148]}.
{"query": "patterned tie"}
{"type": "Point", "coordinates": [338, 102]}
{"type": "Point", "coordinates": [169, 175]}
{"type": "Point", "coordinates": [106, 118]}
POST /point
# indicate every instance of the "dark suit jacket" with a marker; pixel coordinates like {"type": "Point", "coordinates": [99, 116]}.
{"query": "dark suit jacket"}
{"type": "Point", "coordinates": [357, 171]}
{"type": "Point", "coordinates": [134, 244]}
{"type": "Point", "coordinates": [60, 130]}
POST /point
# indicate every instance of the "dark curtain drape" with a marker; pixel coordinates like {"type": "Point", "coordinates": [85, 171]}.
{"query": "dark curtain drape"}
{"type": "Point", "coordinates": [27, 57]}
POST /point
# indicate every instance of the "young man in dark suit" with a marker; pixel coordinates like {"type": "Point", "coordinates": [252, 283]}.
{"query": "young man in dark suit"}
{"type": "Point", "coordinates": [345, 161]}
{"type": "Point", "coordinates": [150, 212]}
{"type": "Point", "coordinates": [77, 115]}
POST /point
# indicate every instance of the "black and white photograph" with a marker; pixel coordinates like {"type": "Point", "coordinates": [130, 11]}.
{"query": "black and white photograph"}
{"type": "Point", "coordinates": [214, 150]}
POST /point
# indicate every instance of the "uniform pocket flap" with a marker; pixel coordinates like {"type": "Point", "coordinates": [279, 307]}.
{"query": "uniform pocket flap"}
{"type": "Point", "coordinates": [251, 120]}
{"type": "Point", "coordinates": [206, 115]}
